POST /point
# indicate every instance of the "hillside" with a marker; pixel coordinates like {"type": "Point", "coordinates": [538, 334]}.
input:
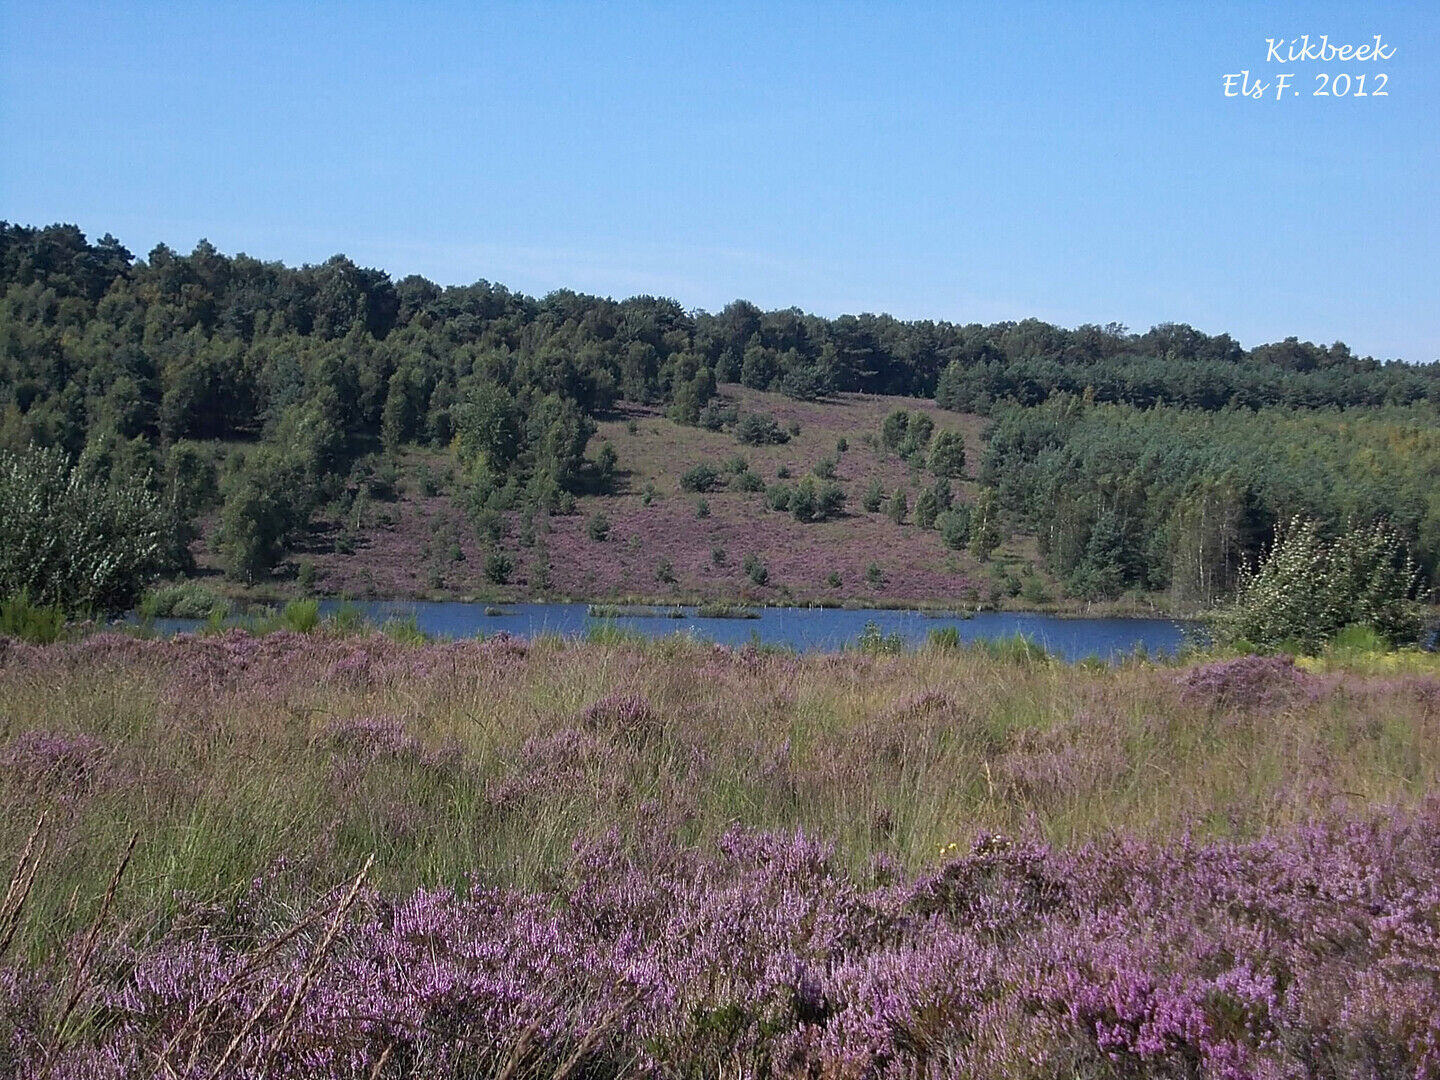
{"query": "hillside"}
{"type": "Point", "coordinates": [426, 543]}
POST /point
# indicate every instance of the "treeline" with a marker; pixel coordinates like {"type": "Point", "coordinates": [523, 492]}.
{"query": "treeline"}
{"type": "Point", "coordinates": [307, 375]}
{"type": "Point", "coordinates": [210, 346]}
{"type": "Point", "coordinates": [1181, 500]}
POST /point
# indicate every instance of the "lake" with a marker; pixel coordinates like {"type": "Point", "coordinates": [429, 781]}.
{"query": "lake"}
{"type": "Point", "coordinates": [803, 629]}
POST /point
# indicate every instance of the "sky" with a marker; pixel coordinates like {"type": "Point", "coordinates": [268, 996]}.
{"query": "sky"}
{"type": "Point", "coordinates": [1078, 163]}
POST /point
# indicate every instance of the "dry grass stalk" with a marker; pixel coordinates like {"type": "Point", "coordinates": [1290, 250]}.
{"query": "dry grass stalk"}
{"type": "Point", "coordinates": [21, 881]}
{"type": "Point", "coordinates": [87, 951]}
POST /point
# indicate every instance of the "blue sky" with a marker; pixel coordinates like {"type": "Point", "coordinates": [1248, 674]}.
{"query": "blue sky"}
{"type": "Point", "coordinates": [1077, 163]}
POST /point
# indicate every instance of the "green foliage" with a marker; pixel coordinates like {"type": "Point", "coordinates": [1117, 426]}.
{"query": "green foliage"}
{"type": "Point", "coordinates": [702, 509]}
{"type": "Point", "coordinates": [944, 638]}
{"type": "Point", "coordinates": [35, 623]}
{"type": "Point", "coordinates": [84, 543]}
{"type": "Point", "coordinates": [606, 461]}
{"type": "Point", "coordinates": [825, 467]}
{"type": "Point", "coordinates": [874, 497]}
{"type": "Point", "coordinates": [875, 643]}
{"type": "Point", "coordinates": [842, 444]}
{"type": "Point", "coordinates": [665, 572]}
{"type": "Point", "coordinates": [907, 433]}
{"type": "Point", "coordinates": [498, 567]}
{"type": "Point", "coordinates": [760, 429]}
{"type": "Point", "coordinates": [927, 509]}
{"type": "Point", "coordinates": [182, 600]}
{"type": "Point", "coordinates": [701, 477]}
{"type": "Point", "coordinates": [834, 580]}
{"type": "Point", "coordinates": [748, 481]}
{"type": "Point", "coordinates": [301, 616]}
{"type": "Point", "coordinates": [984, 535]}
{"type": "Point", "coordinates": [947, 454]}
{"type": "Point", "coordinates": [874, 576]}
{"type": "Point", "coordinates": [598, 527]}
{"type": "Point", "coordinates": [898, 507]}
{"type": "Point", "coordinates": [1309, 588]}
{"type": "Point", "coordinates": [404, 629]}
{"type": "Point", "coordinates": [754, 569]}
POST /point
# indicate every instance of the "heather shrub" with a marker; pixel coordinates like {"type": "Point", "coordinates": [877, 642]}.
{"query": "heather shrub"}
{"type": "Point", "coordinates": [1248, 682]}
{"type": "Point", "coordinates": [53, 762]}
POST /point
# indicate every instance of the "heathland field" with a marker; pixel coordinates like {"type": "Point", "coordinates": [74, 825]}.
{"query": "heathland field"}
{"type": "Point", "coordinates": [321, 855]}
{"type": "Point", "coordinates": [660, 541]}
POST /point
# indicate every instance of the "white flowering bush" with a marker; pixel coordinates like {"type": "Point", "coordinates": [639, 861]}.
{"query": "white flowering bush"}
{"type": "Point", "coordinates": [84, 543]}
{"type": "Point", "coordinates": [1308, 588]}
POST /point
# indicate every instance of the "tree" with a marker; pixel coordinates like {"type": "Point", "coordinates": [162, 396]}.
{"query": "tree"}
{"type": "Point", "coordinates": [873, 497]}
{"type": "Point", "coordinates": [926, 509]}
{"type": "Point", "coordinates": [947, 454]}
{"type": "Point", "coordinates": [85, 543]}
{"type": "Point", "coordinates": [1309, 588]}
{"type": "Point", "coordinates": [984, 529]}
{"type": "Point", "coordinates": [899, 506]}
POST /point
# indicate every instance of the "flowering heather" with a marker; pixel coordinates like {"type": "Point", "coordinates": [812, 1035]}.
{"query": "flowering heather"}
{"type": "Point", "coordinates": [622, 715]}
{"type": "Point", "coordinates": [1310, 952]}
{"type": "Point", "coordinates": [1248, 682]}
{"type": "Point", "coordinates": [51, 761]}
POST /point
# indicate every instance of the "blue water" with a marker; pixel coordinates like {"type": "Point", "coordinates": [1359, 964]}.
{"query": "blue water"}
{"type": "Point", "coordinates": [803, 629]}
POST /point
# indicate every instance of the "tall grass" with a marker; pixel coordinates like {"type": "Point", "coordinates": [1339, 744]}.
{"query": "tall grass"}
{"type": "Point", "coordinates": [231, 751]}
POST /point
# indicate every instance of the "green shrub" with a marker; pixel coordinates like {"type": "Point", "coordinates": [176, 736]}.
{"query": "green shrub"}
{"type": "Point", "coordinates": [755, 570]}
{"type": "Point", "coordinates": [701, 477]}
{"type": "Point", "coordinates": [944, 637]}
{"type": "Point", "coordinates": [182, 600]}
{"type": "Point", "coordinates": [598, 527]}
{"type": "Point", "coordinates": [760, 429]}
{"type": "Point", "coordinates": [954, 527]}
{"type": "Point", "coordinates": [875, 643]}
{"type": "Point", "coordinates": [35, 623]}
{"type": "Point", "coordinates": [346, 619]}
{"type": "Point", "coordinates": [898, 507]}
{"type": "Point", "coordinates": [749, 481]}
{"type": "Point", "coordinates": [873, 498]}
{"type": "Point", "coordinates": [498, 568]}
{"type": "Point", "coordinates": [874, 576]}
{"type": "Point", "coordinates": [80, 542]}
{"type": "Point", "coordinates": [702, 509]}
{"type": "Point", "coordinates": [302, 616]}
{"type": "Point", "coordinates": [404, 629]}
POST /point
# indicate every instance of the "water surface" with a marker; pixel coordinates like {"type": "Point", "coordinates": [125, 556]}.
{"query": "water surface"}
{"type": "Point", "coordinates": [803, 629]}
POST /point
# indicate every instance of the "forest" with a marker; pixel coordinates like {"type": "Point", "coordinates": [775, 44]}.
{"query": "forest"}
{"type": "Point", "coordinates": [1161, 461]}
